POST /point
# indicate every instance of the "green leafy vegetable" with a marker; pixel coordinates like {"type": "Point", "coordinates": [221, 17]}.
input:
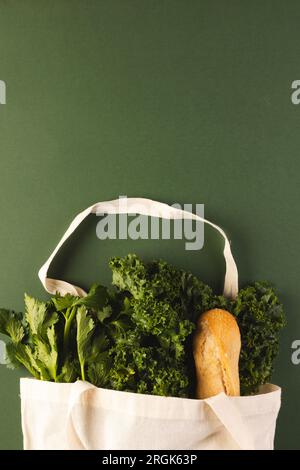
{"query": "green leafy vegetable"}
{"type": "Point", "coordinates": [38, 316]}
{"type": "Point", "coordinates": [85, 327]}
{"type": "Point", "coordinates": [11, 325]}
{"type": "Point", "coordinates": [47, 354]}
{"type": "Point", "coordinates": [260, 317]}
{"type": "Point", "coordinates": [17, 354]}
{"type": "Point", "coordinates": [137, 335]}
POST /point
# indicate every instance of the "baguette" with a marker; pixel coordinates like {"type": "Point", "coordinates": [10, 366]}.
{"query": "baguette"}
{"type": "Point", "coordinates": [216, 348]}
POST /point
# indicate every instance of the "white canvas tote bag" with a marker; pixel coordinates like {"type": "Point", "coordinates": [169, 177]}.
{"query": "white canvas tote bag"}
{"type": "Point", "coordinates": [82, 416]}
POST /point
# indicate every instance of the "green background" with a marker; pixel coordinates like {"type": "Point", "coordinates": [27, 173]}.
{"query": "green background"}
{"type": "Point", "coordinates": [180, 101]}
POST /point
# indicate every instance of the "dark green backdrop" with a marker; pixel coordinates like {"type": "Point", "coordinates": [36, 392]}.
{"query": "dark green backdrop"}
{"type": "Point", "coordinates": [181, 101]}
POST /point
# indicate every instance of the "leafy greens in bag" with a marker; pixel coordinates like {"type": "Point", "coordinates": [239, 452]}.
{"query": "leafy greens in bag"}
{"type": "Point", "coordinates": [137, 334]}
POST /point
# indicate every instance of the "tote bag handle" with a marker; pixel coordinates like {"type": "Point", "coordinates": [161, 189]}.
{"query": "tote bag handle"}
{"type": "Point", "coordinates": [140, 206]}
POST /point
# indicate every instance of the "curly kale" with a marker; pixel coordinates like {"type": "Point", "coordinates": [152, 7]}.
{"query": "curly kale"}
{"type": "Point", "coordinates": [260, 317]}
{"type": "Point", "coordinates": [165, 303]}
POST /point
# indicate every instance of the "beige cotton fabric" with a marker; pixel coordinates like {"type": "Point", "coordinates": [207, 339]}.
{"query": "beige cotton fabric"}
{"type": "Point", "coordinates": [82, 416]}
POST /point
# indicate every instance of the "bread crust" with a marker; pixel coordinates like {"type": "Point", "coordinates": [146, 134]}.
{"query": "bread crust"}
{"type": "Point", "coordinates": [216, 348]}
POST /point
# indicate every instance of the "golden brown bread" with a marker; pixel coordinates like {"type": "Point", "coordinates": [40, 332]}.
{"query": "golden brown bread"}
{"type": "Point", "coordinates": [216, 347]}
